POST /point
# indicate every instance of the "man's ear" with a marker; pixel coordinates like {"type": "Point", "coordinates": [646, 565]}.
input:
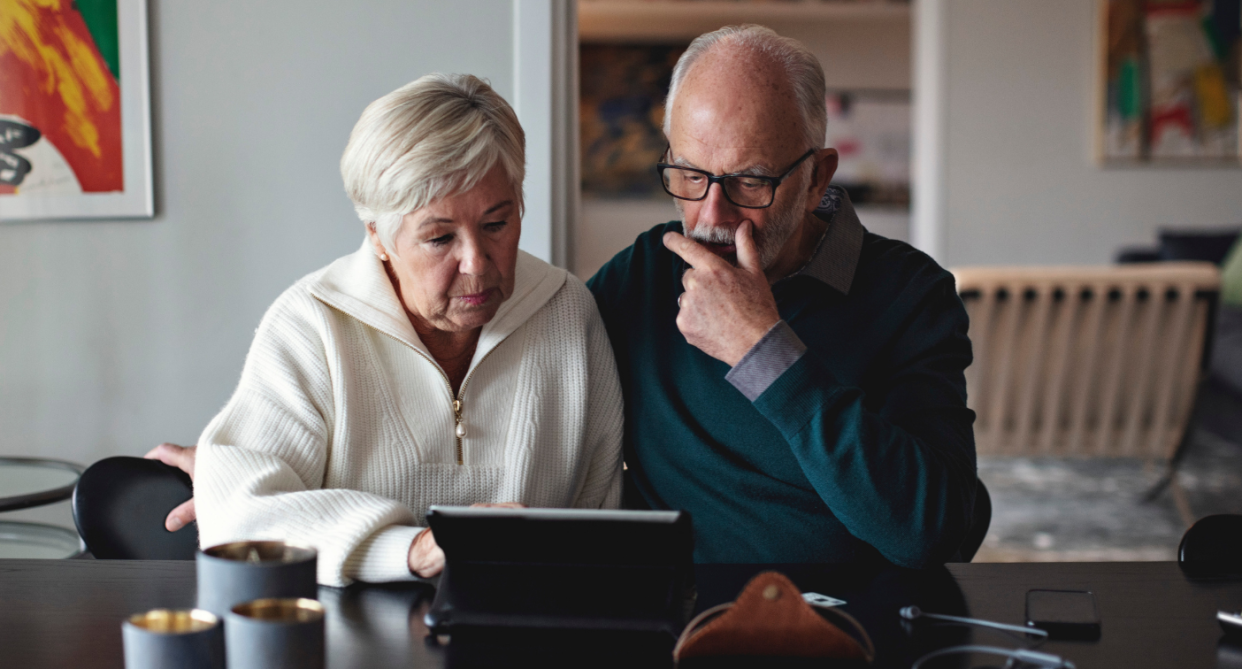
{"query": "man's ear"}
{"type": "Point", "coordinates": [825, 166]}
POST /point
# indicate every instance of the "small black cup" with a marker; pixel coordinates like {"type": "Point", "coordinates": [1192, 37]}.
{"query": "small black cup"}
{"type": "Point", "coordinates": [276, 634]}
{"type": "Point", "coordinates": [186, 638]}
{"type": "Point", "coordinates": [244, 571]}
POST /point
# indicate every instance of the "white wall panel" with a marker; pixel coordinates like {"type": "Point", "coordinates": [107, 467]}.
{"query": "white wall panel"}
{"type": "Point", "coordinates": [1020, 182]}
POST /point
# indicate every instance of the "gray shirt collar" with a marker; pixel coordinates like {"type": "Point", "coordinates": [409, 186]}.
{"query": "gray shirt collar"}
{"type": "Point", "coordinates": [836, 256]}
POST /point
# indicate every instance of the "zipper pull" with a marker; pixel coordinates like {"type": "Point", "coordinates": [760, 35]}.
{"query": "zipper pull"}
{"type": "Point", "coordinates": [461, 429]}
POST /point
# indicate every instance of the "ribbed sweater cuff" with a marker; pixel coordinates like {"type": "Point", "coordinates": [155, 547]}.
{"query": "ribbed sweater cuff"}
{"type": "Point", "coordinates": [384, 556]}
{"type": "Point", "coordinates": [766, 361]}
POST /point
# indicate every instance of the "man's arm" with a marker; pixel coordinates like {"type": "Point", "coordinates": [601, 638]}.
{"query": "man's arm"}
{"type": "Point", "coordinates": [897, 468]}
{"type": "Point", "coordinates": [896, 464]}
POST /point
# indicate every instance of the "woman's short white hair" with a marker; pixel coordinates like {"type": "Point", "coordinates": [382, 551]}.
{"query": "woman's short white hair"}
{"type": "Point", "coordinates": [430, 139]}
{"type": "Point", "coordinates": [803, 68]}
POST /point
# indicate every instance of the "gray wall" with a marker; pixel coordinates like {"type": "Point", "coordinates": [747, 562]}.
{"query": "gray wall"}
{"type": "Point", "coordinates": [116, 335]}
{"type": "Point", "coordinates": [1021, 183]}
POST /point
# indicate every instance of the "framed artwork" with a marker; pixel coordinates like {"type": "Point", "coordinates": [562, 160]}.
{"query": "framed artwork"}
{"type": "Point", "coordinates": [622, 89]}
{"type": "Point", "coordinates": [870, 129]}
{"type": "Point", "coordinates": [1170, 81]}
{"type": "Point", "coordinates": [75, 131]}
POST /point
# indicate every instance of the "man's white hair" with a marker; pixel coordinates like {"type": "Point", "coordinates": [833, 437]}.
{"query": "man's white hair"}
{"type": "Point", "coordinates": [430, 139]}
{"type": "Point", "coordinates": [801, 66]}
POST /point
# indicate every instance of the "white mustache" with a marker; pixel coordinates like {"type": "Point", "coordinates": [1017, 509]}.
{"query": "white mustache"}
{"type": "Point", "coordinates": [711, 235]}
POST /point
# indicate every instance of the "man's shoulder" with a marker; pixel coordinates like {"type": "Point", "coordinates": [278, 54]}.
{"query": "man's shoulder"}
{"type": "Point", "coordinates": [634, 262]}
{"type": "Point", "coordinates": [892, 265]}
{"type": "Point", "coordinates": [648, 246]}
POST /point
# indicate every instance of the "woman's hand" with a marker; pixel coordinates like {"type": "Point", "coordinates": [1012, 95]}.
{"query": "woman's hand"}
{"type": "Point", "coordinates": [426, 559]}
{"type": "Point", "coordinates": [181, 457]}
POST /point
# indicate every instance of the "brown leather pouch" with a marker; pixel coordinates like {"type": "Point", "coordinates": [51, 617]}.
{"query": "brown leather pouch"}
{"type": "Point", "coordinates": [770, 618]}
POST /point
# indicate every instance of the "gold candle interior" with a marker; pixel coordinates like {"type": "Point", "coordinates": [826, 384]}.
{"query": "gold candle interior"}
{"type": "Point", "coordinates": [299, 610]}
{"type": "Point", "coordinates": [261, 551]}
{"type": "Point", "coordinates": [168, 621]}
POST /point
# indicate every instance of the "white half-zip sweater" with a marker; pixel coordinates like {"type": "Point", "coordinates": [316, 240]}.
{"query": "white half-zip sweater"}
{"type": "Point", "coordinates": [343, 429]}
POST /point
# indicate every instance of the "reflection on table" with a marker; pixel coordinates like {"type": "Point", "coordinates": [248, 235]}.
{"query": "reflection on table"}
{"type": "Point", "coordinates": [67, 613]}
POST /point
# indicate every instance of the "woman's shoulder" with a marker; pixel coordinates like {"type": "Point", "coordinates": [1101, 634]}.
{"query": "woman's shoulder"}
{"type": "Point", "coordinates": [575, 290]}
{"type": "Point", "coordinates": [299, 298]}
{"type": "Point", "coordinates": [352, 283]}
{"type": "Point", "coordinates": [557, 284]}
{"type": "Point", "coordinates": [571, 310]}
{"type": "Point", "coordinates": [300, 306]}
{"type": "Point", "coordinates": [535, 284]}
{"type": "Point", "coordinates": [545, 294]}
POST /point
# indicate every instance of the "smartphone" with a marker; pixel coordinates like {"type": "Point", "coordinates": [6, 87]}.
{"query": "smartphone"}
{"type": "Point", "coordinates": [1064, 614]}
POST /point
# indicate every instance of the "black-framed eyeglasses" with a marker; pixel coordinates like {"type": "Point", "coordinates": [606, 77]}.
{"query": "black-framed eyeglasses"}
{"type": "Point", "coordinates": [744, 190]}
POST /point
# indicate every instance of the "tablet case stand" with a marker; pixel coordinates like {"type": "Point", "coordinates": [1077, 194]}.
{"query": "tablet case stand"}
{"type": "Point", "coordinates": [564, 573]}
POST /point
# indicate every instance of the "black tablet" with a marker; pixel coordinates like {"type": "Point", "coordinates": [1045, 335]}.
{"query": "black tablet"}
{"type": "Point", "coordinates": [563, 568]}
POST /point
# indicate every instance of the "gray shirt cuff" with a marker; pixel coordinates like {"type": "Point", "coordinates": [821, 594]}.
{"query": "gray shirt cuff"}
{"type": "Point", "coordinates": [764, 363]}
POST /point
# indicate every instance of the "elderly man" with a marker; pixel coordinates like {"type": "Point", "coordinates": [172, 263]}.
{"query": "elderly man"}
{"type": "Point", "coordinates": [793, 381]}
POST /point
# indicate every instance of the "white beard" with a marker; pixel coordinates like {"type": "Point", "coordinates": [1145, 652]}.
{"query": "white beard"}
{"type": "Point", "coordinates": [769, 241]}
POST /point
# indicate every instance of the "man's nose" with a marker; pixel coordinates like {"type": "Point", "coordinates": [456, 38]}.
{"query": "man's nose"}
{"type": "Point", "coordinates": [716, 209]}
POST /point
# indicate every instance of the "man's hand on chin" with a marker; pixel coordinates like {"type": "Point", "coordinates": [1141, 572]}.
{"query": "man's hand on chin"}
{"type": "Point", "coordinates": [725, 310]}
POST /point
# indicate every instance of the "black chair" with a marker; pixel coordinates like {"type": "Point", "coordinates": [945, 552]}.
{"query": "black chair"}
{"type": "Point", "coordinates": [1212, 547]}
{"type": "Point", "coordinates": [120, 504]}
{"type": "Point", "coordinates": [978, 526]}
{"type": "Point", "coordinates": [1210, 245]}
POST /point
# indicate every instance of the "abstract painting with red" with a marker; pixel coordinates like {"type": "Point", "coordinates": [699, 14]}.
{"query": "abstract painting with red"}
{"type": "Point", "coordinates": [60, 98]}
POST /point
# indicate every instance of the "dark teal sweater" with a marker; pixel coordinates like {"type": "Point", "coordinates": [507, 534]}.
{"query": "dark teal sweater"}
{"type": "Point", "coordinates": [863, 448]}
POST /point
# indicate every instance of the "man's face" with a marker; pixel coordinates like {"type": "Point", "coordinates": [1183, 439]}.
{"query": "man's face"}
{"type": "Point", "coordinates": [733, 116]}
{"type": "Point", "coordinates": [780, 221]}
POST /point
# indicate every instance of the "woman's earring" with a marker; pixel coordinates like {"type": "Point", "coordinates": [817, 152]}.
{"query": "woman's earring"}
{"type": "Point", "coordinates": [383, 257]}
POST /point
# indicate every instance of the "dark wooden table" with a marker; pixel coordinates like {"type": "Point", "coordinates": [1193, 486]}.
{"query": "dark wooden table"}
{"type": "Point", "coordinates": [67, 613]}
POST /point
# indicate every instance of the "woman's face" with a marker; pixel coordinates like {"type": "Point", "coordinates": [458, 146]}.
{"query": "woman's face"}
{"type": "Point", "coordinates": [455, 258]}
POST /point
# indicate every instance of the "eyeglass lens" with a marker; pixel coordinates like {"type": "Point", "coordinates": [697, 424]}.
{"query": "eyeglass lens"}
{"type": "Point", "coordinates": [741, 190]}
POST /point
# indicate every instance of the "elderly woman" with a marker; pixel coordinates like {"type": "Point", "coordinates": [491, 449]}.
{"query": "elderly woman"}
{"type": "Point", "coordinates": [438, 364]}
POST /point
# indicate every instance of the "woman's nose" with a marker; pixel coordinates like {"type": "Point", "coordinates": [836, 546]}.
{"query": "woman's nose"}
{"type": "Point", "coordinates": [474, 258]}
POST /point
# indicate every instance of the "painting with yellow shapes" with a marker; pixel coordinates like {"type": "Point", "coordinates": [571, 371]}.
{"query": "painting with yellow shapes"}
{"type": "Point", "coordinates": [65, 129]}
